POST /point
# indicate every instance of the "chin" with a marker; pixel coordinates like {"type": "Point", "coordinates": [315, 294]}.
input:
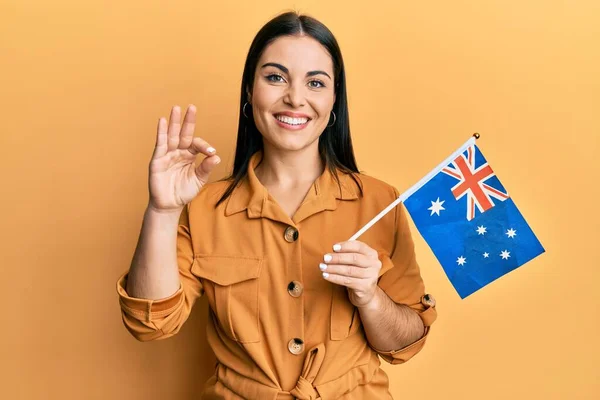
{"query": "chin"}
{"type": "Point", "coordinates": [290, 143]}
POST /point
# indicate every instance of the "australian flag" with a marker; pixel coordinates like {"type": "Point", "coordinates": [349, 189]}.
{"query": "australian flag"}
{"type": "Point", "coordinates": [471, 223]}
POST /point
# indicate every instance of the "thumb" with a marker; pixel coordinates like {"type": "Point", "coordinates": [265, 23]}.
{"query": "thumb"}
{"type": "Point", "coordinates": [205, 168]}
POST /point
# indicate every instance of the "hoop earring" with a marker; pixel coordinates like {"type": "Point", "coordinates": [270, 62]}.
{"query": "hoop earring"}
{"type": "Point", "coordinates": [334, 119]}
{"type": "Point", "coordinates": [244, 110]}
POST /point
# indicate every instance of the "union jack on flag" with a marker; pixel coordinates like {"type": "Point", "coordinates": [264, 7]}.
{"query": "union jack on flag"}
{"type": "Point", "coordinates": [470, 222]}
{"type": "Point", "coordinates": [472, 182]}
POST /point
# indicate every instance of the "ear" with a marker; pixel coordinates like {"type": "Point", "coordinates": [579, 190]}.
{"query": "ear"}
{"type": "Point", "coordinates": [248, 95]}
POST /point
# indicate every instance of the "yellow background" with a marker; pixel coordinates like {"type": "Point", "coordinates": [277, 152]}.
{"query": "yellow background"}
{"type": "Point", "coordinates": [83, 83]}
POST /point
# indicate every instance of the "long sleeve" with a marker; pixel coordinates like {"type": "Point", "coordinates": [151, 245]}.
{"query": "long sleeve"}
{"type": "Point", "coordinates": [149, 319]}
{"type": "Point", "coordinates": [402, 282]}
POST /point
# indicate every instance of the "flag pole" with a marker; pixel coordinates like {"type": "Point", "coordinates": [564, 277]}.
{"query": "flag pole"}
{"type": "Point", "coordinates": [417, 185]}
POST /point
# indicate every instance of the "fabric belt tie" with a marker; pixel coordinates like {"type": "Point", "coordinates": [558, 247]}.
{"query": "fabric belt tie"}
{"type": "Point", "coordinates": [304, 389]}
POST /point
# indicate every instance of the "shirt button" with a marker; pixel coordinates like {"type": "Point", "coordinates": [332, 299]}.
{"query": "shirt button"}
{"type": "Point", "coordinates": [295, 289]}
{"type": "Point", "coordinates": [291, 234]}
{"type": "Point", "coordinates": [428, 300]}
{"type": "Point", "coordinates": [296, 346]}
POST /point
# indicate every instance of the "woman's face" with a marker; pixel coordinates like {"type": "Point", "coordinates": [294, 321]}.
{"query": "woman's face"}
{"type": "Point", "coordinates": [293, 92]}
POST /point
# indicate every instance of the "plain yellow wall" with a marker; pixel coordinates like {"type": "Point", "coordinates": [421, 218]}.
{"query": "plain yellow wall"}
{"type": "Point", "coordinates": [83, 84]}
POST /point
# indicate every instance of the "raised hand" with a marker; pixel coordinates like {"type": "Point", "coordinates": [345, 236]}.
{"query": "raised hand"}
{"type": "Point", "coordinates": [174, 180]}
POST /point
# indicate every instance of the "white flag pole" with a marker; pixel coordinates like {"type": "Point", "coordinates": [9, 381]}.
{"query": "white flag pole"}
{"type": "Point", "coordinates": [416, 186]}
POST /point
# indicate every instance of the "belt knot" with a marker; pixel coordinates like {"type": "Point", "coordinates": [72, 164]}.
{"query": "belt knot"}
{"type": "Point", "coordinates": [304, 389]}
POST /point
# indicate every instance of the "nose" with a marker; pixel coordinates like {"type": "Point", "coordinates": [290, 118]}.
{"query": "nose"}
{"type": "Point", "coordinates": [294, 96]}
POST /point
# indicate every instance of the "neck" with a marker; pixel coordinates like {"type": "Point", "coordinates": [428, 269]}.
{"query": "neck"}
{"type": "Point", "coordinates": [288, 169]}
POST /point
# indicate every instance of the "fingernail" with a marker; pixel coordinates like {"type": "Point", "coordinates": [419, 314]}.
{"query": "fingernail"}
{"type": "Point", "coordinates": [325, 274]}
{"type": "Point", "coordinates": [218, 161]}
{"type": "Point", "coordinates": [327, 257]}
{"type": "Point", "coordinates": [211, 149]}
{"type": "Point", "coordinates": [337, 247]}
{"type": "Point", "coordinates": [323, 266]}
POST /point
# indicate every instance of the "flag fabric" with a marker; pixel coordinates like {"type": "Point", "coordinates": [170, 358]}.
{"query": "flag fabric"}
{"type": "Point", "coordinates": [471, 223]}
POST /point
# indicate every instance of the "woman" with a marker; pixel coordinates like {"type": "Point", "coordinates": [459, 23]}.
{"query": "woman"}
{"type": "Point", "coordinates": [297, 311]}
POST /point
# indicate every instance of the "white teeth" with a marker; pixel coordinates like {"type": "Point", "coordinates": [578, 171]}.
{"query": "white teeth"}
{"type": "Point", "coordinates": [291, 121]}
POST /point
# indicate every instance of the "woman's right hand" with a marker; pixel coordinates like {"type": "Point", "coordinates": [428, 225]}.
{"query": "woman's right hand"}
{"type": "Point", "coordinates": [174, 180]}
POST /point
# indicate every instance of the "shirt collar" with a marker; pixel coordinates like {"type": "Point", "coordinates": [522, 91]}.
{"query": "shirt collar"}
{"type": "Point", "coordinates": [252, 196]}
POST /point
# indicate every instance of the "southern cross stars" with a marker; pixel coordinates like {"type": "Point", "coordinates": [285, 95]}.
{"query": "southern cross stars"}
{"type": "Point", "coordinates": [482, 230]}
{"type": "Point", "coordinates": [436, 206]}
{"type": "Point", "coordinates": [505, 254]}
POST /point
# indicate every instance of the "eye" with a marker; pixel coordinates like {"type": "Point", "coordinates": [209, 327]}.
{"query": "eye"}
{"type": "Point", "coordinates": [318, 83]}
{"type": "Point", "coordinates": [275, 78]}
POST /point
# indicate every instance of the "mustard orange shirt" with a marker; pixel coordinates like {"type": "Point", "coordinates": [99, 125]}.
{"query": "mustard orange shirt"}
{"type": "Point", "coordinates": [277, 328]}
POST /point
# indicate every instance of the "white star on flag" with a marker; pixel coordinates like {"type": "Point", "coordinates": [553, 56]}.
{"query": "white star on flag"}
{"type": "Point", "coordinates": [505, 254]}
{"type": "Point", "coordinates": [481, 230]}
{"type": "Point", "coordinates": [511, 233]}
{"type": "Point", "coordinates": [486, 255]}
{"type": "Point", "coordinates": [461, 260]}
{"type": "Point", "coordinates": [436, 206]}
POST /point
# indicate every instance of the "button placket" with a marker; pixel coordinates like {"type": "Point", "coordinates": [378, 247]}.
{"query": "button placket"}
{"type": "Point", "coordinates": [295, 289]}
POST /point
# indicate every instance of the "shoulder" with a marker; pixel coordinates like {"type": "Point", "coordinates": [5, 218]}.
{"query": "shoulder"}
{"type": "Point", "coordinates": [216, 188]}
{"type": "Point", "coordinates": [376, 188]}
{"type": "Point", "coordinates": [210, 194]}
{"type": "Point", "coordinates": [377, 196]}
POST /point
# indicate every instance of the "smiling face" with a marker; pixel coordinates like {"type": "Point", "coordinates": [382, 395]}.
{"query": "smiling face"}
{"type": "Point", "coordinates": [293, 92]}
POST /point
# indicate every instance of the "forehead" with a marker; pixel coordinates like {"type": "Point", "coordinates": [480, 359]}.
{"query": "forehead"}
{"type": "Point", "coordinates": [298, 53]}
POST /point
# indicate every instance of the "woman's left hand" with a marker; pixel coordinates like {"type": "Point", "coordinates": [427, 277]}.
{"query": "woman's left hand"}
{"type": "Point", "coordinates": [355, 265]}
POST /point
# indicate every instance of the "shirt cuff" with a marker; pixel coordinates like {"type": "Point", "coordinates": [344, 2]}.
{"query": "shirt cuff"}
{"type": "Point", "coordinates": [404, 354]}
{"type": "Point", "coordinates": [428, 315]}
{"type": "Point", "coordinates": [147, 309]}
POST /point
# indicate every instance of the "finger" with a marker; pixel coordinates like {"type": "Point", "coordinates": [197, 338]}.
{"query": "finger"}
{"type": "Point", "coordinates": [352, 283]}
{"type": "Point", "coordinates": [350, 271]}
{"type": "Point", "coordinates": [199, 145]}
{"type": "Point", "coordinates": [355, 246]}
{"type": "Point", "coordinates": [160, 149]}
{"type": "Point", "coordinates": [174, 128]}
{"type": "Point", "coordinates": [360, 260]}
{"type": "Point", "coordinates": [205, 168]}
{"type": "Point", "coordinates": [187, 131]}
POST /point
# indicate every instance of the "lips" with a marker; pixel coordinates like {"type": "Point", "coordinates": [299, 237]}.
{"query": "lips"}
{"type": "Point", "coordinates": [292, 114]}
{"type": "Point", "coordinates": [286, 119]}
{"type": "Point", "coordinates": [292, 121]}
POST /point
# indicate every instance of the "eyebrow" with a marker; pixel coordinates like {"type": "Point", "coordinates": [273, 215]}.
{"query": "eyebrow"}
{"type": "Point", "coordinates": [285, 70]}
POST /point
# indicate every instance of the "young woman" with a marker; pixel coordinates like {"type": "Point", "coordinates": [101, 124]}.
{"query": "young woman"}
{"type": "Point", "coordinates": [297, 310]}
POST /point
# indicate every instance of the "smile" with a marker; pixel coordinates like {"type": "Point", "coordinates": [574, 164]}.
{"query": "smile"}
{"type": "Point", "coordinates": [290, 122]}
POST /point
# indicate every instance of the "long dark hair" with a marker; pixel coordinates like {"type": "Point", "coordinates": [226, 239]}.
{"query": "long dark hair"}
{"type": "Point", "coordinates": [335, 143]}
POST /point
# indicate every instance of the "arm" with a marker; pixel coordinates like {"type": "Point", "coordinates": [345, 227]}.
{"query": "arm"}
{"type": "Point", "coordinates": [151, 319]}
{"type": "Point", "coordinates": [390, 326]}
{"type": "Point", "coordinates": [157, 293]}
{"type": "Point", "coordinates": [404, 288]}
{"type": "Point", "coordinates": [153, 273]}
{"type": "Point", "coordinates": [395, 311]}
